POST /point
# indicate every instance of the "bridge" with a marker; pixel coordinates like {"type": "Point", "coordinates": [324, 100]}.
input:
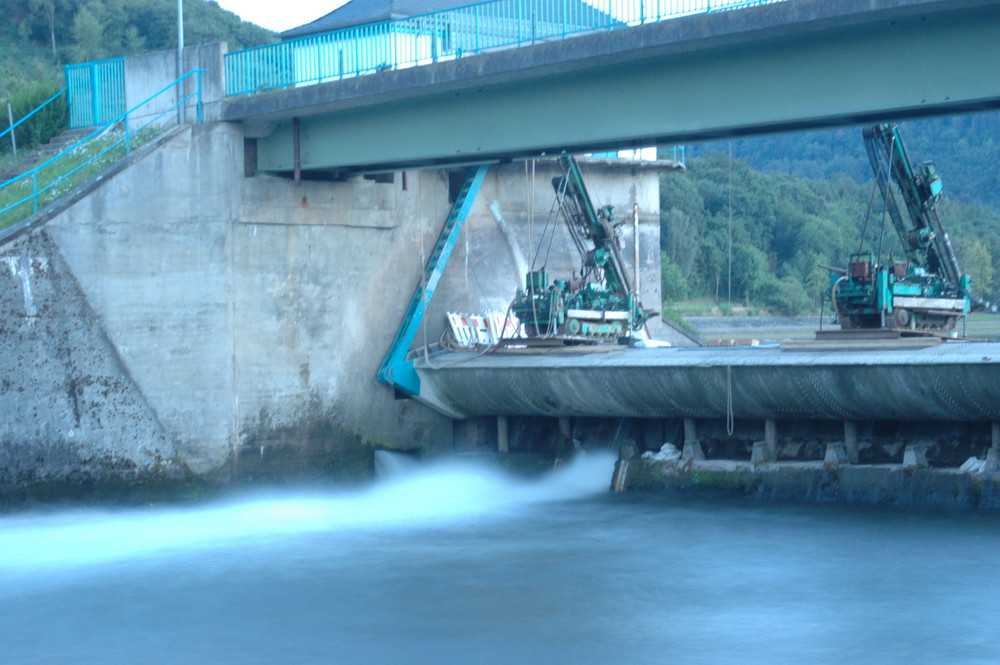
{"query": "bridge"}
{"type": "Point", "coordinates": [759, 69]}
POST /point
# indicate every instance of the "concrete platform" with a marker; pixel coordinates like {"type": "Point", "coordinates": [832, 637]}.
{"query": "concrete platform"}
{"type": "Point", "coordinates": [882, 484]}
{"type": "Point", "coordinates": [953, 381]}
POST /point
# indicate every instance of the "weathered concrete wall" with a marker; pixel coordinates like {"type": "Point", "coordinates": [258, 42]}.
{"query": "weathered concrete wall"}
{"type": "Point", "coordinates": [153, 260]}
{"type": "Point", "coordinates": [236, 325]}
{"type": "Point", "coordinates": [886, 485]}
{"type": "Point", "coordinates": [146, 74]}
{"type": "Point", "coordinates": [70, 409]}
{"type": "Point", "coordinates": [505, 228]}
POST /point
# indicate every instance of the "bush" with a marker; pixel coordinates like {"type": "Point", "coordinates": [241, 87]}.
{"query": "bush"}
{"type": "Point", "coordinates": [674, 287]}
{"type": "Point", "coordinates": [784, 296]}
{"type": "Point", "coordinates": [40, 127]}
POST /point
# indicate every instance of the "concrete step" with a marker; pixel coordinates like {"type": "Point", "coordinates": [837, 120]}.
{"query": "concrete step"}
{"type": "Point", "coordinates": [64, 140]}
{"type": "Point", "coordinates": [43, 153]}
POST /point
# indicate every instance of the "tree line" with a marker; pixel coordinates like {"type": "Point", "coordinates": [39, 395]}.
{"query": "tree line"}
{"type": "Point", "coordinates": [732, 232]}
{"type": "Point", "coordinates": [965, 147]}
{"type": "Point", "coordinates": [38, 37]}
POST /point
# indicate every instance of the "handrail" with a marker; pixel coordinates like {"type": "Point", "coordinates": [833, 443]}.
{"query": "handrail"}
{"type": "Point", "coordinates": [444, 35]}
{"type": "Point", "coordinates": [125, 138]}
{"type": "Point", "coordinates": [39, 108]}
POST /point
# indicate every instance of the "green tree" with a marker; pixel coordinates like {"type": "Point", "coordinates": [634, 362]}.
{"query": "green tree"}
{"type": "Point", "coordinates": [48, 9]}
{"type": "Point", "coordinates": [88, 32]}
{"type": "Point", "coordinates": [673, 285]}
{"type": "Point", "coordinates": [679, 239]}
{"type": "Point", "coordinates": [976, 260]}
{"type": "Point", "coordinates": [750, 272]}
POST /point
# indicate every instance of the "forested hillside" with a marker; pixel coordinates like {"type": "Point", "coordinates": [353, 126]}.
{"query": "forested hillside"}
{"type": "Point", "coordinates": [966, 149]}
{"type": "Point", "coordinates": [37, 37]}
{"type": "Point", "coordinates": [783, 228]}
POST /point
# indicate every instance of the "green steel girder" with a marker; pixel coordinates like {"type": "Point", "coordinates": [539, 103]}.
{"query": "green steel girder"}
{"type": "Point", "coordinates": [914, 66]}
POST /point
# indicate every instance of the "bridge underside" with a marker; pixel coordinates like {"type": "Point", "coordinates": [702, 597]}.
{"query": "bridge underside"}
{"type": "Point", "coordinates": [776, 68]}
{"type": "Point", "coordinates": [954, 382]}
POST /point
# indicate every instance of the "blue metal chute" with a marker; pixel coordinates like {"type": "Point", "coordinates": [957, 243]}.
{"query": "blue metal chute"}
{"type": "Point", "coordinates": [396, 370]}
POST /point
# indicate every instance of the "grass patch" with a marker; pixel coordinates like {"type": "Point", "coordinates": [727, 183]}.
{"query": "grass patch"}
{"type": "Point", "coordinates": [678, 319]}
{"type": "Point", "coordinates": [22, 197]}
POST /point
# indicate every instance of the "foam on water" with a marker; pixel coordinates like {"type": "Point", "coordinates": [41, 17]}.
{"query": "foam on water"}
{"type": "Point", "coordinates": [422, 496]}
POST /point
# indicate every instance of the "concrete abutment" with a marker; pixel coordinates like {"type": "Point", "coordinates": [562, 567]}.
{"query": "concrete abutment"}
{"type": "Point", "coordinates": [183, 320]}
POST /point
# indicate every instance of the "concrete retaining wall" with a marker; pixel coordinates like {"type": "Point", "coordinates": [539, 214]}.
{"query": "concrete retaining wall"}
{"type": "Point", "coordinates": [185, 319]}
{"type": "Point", "coordinates": [146, 74]}
{"type": "Point", "coordinates": [71, 410]}
{"type": "Point", "coordinates": [886, 485]}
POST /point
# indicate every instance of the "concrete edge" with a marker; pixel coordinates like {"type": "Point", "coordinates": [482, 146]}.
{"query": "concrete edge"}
{"type": "Point", "coordinates": [81, 191]}
{"type": "Point", "coordinates": [816, 482]}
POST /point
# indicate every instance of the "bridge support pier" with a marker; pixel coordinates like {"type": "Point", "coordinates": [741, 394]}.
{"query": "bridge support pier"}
{"type": "Point", "coordinates": [692, 451]}
{"type": "Point", "coordinates": [503, 434]}
{"type": "Point", "coordinates": [851, 441]}
{"type": "Point", "coordinates": [993, 454]}
{"type": "Point", "coordinates": [690, 430]}
{"type": "Point", "coordinates": [771, 433]}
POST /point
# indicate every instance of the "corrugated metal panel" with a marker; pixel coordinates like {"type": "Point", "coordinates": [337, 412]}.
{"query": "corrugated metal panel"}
{"type": "Point", "coordinates": [950, 382]}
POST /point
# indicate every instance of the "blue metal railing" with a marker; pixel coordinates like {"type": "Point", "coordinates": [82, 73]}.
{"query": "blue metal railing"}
{"type": "Point", "coordinates": [445, 35]}
{"type": "Point", "coordinates": [96, 92]}
{"type": "Point", "coordinates": [33, 112]}
{"type": "Point", "coordinates": [41, 184]}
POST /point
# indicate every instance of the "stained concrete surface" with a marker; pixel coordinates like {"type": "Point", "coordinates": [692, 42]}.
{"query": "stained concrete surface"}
{"type": "Point", "coordinates": [192, 320]}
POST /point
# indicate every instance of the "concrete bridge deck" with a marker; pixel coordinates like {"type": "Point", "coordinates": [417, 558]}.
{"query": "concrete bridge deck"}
{"type": "Point", "coordinates": [955, 381]}
{"type": "Point", "coordinates": [787, 66]}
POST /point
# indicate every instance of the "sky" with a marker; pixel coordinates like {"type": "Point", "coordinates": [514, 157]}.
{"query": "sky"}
{"type": "Point", "coordinates": [280, 15]}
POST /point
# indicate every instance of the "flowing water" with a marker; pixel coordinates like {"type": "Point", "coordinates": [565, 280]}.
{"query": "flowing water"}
{"type": "Point", "coordinates": [459, 564]}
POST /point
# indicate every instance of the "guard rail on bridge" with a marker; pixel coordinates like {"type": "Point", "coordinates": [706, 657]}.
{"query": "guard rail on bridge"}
{"type": "Point", "coordinates": [445, 35]}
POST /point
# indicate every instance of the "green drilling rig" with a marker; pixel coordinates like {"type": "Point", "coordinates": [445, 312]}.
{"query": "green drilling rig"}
{"type": "Point", "coordinates": [599, 303]}
{"type": "Point", "coordinates": [922, 291]}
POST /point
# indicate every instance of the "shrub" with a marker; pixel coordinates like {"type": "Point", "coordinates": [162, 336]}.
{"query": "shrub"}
{"type": "Point", "coordinates": [42, 126]}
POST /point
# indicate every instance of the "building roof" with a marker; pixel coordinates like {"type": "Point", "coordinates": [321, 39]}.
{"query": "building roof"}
{"type": "Point", "coordinates": [362, 12]}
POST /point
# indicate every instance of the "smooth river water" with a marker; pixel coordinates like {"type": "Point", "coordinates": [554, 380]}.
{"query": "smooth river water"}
{"type": "Point", "coordinates": [459, 564]}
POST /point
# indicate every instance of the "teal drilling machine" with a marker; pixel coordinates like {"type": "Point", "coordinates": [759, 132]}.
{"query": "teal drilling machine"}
{"type": "Point", "coordinates": [597, 304]}
{"type": "Point", "coordinates": [923, 290]}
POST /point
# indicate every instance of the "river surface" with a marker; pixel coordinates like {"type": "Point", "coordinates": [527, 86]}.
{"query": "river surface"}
{"type": "Point", "coordinates": [455, 563]}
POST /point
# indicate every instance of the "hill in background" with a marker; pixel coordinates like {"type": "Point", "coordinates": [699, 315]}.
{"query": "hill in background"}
{"type": "Point", "coordinates": [777, 231]}
{"type": "Point", "coordinates": [965, 147]}
{"type": "Point", "coordinates": [38, 37]}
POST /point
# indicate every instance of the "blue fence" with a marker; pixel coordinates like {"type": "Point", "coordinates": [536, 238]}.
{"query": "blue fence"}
{"type": "Point", "coordinates": [96, 92]}
{"type": "Point", "coordinates": [25, 194]}
{"type": "Point", "coordinates": [445, 35]}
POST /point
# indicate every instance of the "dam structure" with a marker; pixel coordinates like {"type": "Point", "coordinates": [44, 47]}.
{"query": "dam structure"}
{"type": "Point", "coordinates": [217, 305]}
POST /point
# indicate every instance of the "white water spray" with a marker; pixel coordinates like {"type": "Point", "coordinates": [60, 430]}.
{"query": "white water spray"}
{"type": "Point", "coordinates": [442, 493]}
